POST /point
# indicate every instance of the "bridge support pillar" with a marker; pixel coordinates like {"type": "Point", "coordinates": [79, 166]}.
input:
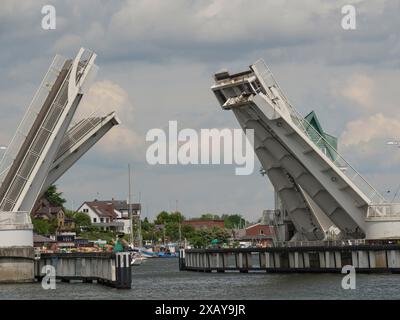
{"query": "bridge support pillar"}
{"type": "Point", "coordinates": [226, 260]}
{"type": "Point", "coordinates": [329, 259]}
{"type": "Point", "coordinates": [393, 259]}
{"type": "Point", "coordinates": [338, 259]}
{"type": "Point", "coordinates": [247, 261]}
{"type": "Point", "coordinates": [269, 260]}
{"type": "Point", "coordinates": [208, 262]}
{"type": "Point", "coordinates": [16, 248]}
{"type": "Point", "coordinates": [354, 259]}
{"type": "Point", "coordinates": [262, 258]}
{"type": "Point", "coordinates": [238, 260]}
{"type": "Point", "coordinates": [277, 260]}
{"type": "Point", "coordinates": [322, 262]}
{"type": "Point", "coordinates": [372, 260]}
{"type": "Point", "coordinates": [306, 258]}
{"type": "Point", "coordinates": [299, 259]}
{"type": "Point", "coordinates": [363, 259]}
{"type": "Point", "coordinates": [292, 260]}
{"type": "Point", "coordinates": [188, 259]}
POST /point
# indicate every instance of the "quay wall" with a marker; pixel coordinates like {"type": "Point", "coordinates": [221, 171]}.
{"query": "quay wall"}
{"type": "Point", "coordinates": [364, 258]}
{"type": "Point", "coordinates": [104, 268]}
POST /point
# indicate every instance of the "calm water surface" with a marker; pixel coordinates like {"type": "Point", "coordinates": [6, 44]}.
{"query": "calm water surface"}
{"type": "Point", "coordinates": [161, 279]}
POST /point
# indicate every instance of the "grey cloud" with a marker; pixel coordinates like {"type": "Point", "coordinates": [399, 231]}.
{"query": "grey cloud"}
{"type": "Point", "coordinates": [163, 54]}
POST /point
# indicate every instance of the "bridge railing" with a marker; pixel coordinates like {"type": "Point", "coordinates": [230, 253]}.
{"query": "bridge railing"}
{"type": "Point", "coordinates": [30, 115]}
{"type": "Point", "coordinates": [316, 138]}
{"type": "Point", "coordinates": [77, 132]}
{"type": "Point", "coordinates": [333, 243]}
{"type": "Point", "coordinates": [383, 210]}
{"type": "Point", "coordinates": [40, 139]}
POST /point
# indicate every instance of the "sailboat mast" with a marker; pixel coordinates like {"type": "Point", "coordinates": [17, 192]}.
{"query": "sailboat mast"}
{"type": "Point", "coordinates": [130, 205]}
{"type": "Point", "coordinates": [140, 222]}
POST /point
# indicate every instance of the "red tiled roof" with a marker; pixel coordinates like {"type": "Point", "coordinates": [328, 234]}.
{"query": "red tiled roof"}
{"type": "Point", "coordinates": [198, 223]}
{"type": "Point", "coordinates": [102, 209]}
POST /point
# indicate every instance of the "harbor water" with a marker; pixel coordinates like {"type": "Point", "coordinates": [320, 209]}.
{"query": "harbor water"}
{"type": "Point", "coordinates": [161, 279]}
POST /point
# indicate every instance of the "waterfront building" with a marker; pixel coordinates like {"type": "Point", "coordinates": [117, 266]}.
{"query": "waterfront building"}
{"type": "Point", "coordinates": [66, 239]}
{"type": "Point", "coordinates": [258, 229]}
{"type": "Point", "coordinates": [45, 211]}
{"type": "Point", "coordinates": [111, 214]}
{"type": "Point", "coordinates": [40, 241]}
{"type": "Point", "coordinates": [204, 224]}
{"type": "Point", "coordinates": [258, 234]}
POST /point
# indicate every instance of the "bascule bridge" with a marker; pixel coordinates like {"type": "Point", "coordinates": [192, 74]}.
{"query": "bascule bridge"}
{"type": "Point", "coordinates": [317, 186]}
{"type": "Point", "coordinates": [45, 145]}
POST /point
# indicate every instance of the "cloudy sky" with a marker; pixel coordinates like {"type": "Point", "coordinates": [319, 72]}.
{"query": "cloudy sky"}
{"type": "Point", "coordinates": [156, 60]}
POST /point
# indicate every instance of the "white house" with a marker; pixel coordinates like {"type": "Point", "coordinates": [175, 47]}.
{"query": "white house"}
{"type": "Point", "coordinates": [111, 215]}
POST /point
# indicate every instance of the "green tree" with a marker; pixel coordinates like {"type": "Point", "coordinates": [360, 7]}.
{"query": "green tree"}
{"type": "Point", "coordinates": [54, 197]}
{"type": "Point", "coordinates": [202, 238]}
{"type": "Point", "coordinates": [69, 213]}
{"type": "Point", "coordinates": [162, 218]}
{"type": "Point", "coordinates": [41, 226]}
{"type": "Point", "coordinates": [233, 221]}
{"type": "Point", "coordinates": [187, 231]}
{"type": "Point", "coordinates": [146, 225]}
{"type": "Point", "coordinates": [81, 219]}
{"type": "Point", "coordinates": [197, 241]}
{"type": "Point", "coordinates": [210, 216]}
{"type": "Point", "coordinates": [221, 234]}
{"type": "Point", "coordinates": [148, 231]}
{"type": "Point", "coordinates": [176, 217]}
{"type": "Point", "coordinates": [172, 231]}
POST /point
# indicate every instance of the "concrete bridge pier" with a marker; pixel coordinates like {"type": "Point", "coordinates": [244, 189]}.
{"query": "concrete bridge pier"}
{"type": "Point", "coordinates": [16, 248]}
{"type": "Point", "coordinates": [226, 257]}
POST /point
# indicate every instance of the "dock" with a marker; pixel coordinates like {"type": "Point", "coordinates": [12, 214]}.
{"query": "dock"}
{"type": "Point", "coordinates": [110, 269]}
{"type": "Point", "coordinates": [331, 257]}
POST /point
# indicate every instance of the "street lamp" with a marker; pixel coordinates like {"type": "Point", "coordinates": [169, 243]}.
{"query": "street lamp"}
{"type": "Point", "coordinates": [3, 148]}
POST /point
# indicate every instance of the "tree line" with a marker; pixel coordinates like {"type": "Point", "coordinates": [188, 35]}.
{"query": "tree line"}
{"type": "Point", "coordinates": [166, 227]}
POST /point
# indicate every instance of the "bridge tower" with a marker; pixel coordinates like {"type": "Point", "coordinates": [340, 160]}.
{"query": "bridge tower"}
{"type": "Point", "coordinates": [309, 182]}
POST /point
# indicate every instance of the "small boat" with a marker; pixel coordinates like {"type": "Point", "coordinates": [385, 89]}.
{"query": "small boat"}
{"type": "Point", "coordinates": [148, 253]}
{"type": "Point", "coordinates": [168, 255]}
{"type": "Point", "coordinates": [168, 251]}
{"type": "Point", "coordinates": [136, 259]}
